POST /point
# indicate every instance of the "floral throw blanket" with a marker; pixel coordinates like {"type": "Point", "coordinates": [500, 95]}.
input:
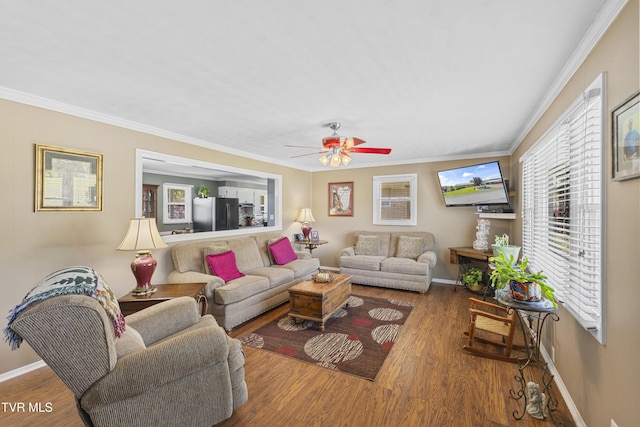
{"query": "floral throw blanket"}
{"type": "Point", "coordinates": [75, 280]}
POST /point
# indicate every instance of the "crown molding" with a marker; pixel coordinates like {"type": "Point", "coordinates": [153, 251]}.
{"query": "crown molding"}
{"type": "Point", "coordinates": [601, 23]}
{"type": "Point", "coordinates": [61, 107]}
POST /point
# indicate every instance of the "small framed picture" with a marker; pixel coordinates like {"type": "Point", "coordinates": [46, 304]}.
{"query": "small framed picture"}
{"type": "Point", "coordinates": [625, 119]}
{"type": "Point", "coordinates": [298, 237]}
{"type": "Point", "coordinates": [315, 236]}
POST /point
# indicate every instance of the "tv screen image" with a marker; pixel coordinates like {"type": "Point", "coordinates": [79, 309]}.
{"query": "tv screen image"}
{"type": "Point", "coordinates": [475, 185]}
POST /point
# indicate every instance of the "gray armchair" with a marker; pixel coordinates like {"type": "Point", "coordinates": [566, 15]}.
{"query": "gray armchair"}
{"type": "Point", "coordinates": [170, 367]}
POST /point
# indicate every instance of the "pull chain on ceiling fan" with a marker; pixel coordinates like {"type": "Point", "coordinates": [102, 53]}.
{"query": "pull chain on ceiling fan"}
{"type": "Point", "coordinates": [336, 148]}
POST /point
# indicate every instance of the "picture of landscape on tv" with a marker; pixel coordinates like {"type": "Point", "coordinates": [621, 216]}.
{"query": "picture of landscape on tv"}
{"type": "Point", "coordinates": [480, 184]}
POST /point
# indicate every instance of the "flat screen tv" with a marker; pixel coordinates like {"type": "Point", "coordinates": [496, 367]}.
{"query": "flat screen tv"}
{"type": "Point", "coordinates": [475, 185]}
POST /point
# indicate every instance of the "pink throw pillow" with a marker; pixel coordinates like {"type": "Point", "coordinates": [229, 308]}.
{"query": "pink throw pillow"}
{"type": "Point", "coordinates": [224, 266]}
{"type": "Point", "coordinates": [282, 252]}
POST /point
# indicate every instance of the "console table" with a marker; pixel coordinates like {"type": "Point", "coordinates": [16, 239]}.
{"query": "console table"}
{"type": "Point", "coordinates": [532, 317]}
{"type": "Point", "coordinates": [464, 256]}
{"type": "Point", "coordinates": [131, 303]}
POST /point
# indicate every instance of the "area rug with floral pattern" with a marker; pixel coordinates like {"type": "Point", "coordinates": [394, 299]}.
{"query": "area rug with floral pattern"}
{"type": "Point", "coordinates": [356, 340]}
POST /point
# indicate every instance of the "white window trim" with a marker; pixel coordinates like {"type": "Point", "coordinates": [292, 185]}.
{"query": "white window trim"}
{"type": "Point", "coordinates": [571, 252]}
{"type": "Point", "coordinates": [378, 199]}
{"type": "Point", "coordinates": [166, 188]}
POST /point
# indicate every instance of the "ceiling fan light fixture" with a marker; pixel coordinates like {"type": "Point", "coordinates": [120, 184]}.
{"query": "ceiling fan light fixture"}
{"type": "Point", "coordinates": [325, 160]}
{"type": "Point", "coordinates": [335, 160]}
{"type": "Point", "coordinates": [346, 159]}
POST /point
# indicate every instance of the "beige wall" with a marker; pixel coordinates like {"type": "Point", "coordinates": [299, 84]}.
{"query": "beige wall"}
{"type": "Point", "coordinates": [603, 379]}
{"type": "Point", "coordinates": [34, 244]}
{"type": "Point", "coordinates": [453, 226]}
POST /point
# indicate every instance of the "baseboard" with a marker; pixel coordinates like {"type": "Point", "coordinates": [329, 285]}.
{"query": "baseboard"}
{"type": "Point", "coordinates": [577, 417]}
{"type": "Point", "coordinates": [444, 281]}
{"type": "Point", "coordinates": [22, 370]}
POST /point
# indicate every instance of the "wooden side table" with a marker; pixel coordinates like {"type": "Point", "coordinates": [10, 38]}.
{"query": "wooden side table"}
{"type": "Point", "coordinates": [312, 245]}
{"type": "Point", "coordinates": [131, 303]}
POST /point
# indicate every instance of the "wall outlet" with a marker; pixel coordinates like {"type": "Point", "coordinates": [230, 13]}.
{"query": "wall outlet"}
{"type": "Point", "coordinates": [613, 423]}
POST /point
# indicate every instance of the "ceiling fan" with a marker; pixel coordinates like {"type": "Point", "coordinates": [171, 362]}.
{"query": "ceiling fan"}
{"type": "Point", "coordinates": [336, 149]}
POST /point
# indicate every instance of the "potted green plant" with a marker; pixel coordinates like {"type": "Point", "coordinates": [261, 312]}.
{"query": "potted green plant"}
{"type": "Point", "coordinates": [473, 279]}
{"type": "Point", "coordinates": [501, 245]}
{"type": "Point", "coordinates": [203, 192]}
{"type": "Point", "coordinates": [523, 284]}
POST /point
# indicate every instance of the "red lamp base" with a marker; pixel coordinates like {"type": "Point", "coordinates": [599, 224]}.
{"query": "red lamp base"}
{"type": "Point", "coordinates": [143, 267]}
{"type": "Point", "coordinates": [306, 229]}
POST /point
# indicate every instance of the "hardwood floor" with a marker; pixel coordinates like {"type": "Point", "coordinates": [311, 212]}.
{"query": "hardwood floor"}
{"type": "Point", "coordinates": [427, 380]}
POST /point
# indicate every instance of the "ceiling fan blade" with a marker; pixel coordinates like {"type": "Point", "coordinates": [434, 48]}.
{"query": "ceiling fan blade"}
{"type": "Point", "coordinates": [301, 146]}
{"type": "Point", "coordinates": [310, 154]}
{"type": "Point", "coordinates": [352, 142]}
{"type": "Point", "coordinates": [369, 150]}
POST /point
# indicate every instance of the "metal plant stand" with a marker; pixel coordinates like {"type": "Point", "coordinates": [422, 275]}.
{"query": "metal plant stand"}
{"type": "Point", "coordinates": [532, 317]}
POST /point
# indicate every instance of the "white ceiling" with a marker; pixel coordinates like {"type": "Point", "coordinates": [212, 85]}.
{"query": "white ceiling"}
{"type": "Point", "coordinates": [433, 80]}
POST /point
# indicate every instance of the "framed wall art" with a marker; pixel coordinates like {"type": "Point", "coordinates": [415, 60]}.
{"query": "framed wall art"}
{"type": "Point", "coordinates": [341, 198]}
{"type": "Point", "coordinates": [67, 180]}
{"type": "Point", "coordinates": [625, 120]}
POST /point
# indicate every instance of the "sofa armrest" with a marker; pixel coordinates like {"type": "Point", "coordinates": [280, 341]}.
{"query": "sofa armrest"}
{"type": "Point", "coordinates": [428, 257]}
{"type": "Point", "coordinates": [212, 281]}
{"type": "Point", "coordinates": [175, 358]}
{"type": "Point", "coordinates": [164, 319]}
{"type": "Point", "coordinates": [348, 251]}
{"type": "Point", "coordinates": [303, 255]}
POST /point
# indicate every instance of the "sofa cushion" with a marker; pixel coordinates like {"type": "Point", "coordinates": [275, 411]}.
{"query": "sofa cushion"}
{"type": "Point", "coordinates": [404, 265]}
{"type": "Point", "coordinates": [213, 250]}
{"type": "Point", "coordinates": [367, 245]}
{"type": "Point", "coordinates": [301, 267]}
{"type": "Point", "coordinates": [410, 247]}
{"type": "Point", "coordinates": [224, 265]}
{"type": "Point", "coordinates": [241, 288]}
{"type": "Point", "coordinates": [129, 342]}
{"type": "Point", "coordinates": [363, 262]}
{"type": "Point", "coordinates": [247, 254]}
{"type": "Point", "coordinates": [276, 276]}
{"type": "Point", "coordinates": [282, 251]}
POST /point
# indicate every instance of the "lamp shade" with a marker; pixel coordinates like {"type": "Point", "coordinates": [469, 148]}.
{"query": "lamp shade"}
{"type": "Point", "coordinates": [305, 215]}
{"type": "Point", "coordinates": [142, 234]}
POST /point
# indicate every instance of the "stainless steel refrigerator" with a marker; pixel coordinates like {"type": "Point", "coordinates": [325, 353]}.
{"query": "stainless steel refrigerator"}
{"type": "Point", "coordinates": [215, 213]}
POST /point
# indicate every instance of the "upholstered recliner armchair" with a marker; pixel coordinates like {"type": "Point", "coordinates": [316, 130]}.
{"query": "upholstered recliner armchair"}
{"type": "Point", "coordinates": [169, 367]}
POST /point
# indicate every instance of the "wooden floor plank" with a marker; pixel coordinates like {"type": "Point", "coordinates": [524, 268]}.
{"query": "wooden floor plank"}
{"type": "Point", "coordinates": [427, 380]}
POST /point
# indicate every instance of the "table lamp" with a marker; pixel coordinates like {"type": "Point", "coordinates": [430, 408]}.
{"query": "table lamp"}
{"type": "Point", "coordinates": [306, 218]}
{"type": "Point", "coordinates": [142, 236]}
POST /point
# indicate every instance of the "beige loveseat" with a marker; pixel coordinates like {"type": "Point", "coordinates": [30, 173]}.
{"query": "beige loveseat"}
{"type": "Point", "coordinates": [264, 285]}
{"type": "Point", "coordinates": [400, 260]}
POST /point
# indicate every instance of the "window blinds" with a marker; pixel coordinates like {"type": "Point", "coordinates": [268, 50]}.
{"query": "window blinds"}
{"type": "Point", "coordinates": [562, 208]}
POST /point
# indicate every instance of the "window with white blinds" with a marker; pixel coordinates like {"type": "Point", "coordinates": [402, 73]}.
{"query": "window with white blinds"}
{"type": "Point", "coordinates": [395, 199]}
{"type": "Point", "coordinates": [563, 208]}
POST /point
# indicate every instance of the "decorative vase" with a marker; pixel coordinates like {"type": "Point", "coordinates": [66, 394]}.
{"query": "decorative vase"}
{"type": "Point", "coordinates": [525, 292]}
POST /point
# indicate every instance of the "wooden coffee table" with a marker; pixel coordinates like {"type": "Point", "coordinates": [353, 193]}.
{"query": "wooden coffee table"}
{"type": "Point", "coordinates": [319, 301]}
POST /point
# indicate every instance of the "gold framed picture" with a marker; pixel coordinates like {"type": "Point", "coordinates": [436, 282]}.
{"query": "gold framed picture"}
{"type": "Point", "coordinates": [67, 180]}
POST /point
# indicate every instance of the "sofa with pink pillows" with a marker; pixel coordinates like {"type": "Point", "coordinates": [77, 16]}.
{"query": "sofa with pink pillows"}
{"type": "Point", "coordinates": [245, 276]}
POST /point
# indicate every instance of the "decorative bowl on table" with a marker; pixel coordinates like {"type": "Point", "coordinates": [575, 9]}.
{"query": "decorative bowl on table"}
{"type": "Point", "coordinates": [323, 277]}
